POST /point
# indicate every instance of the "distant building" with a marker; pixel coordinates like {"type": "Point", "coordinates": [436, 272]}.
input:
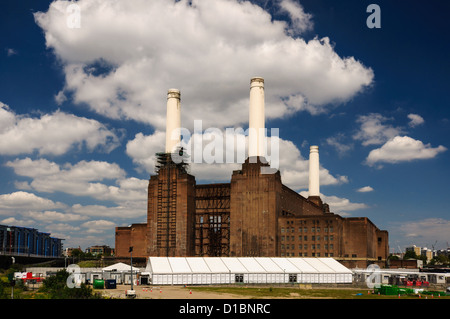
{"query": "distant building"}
{"type": "Point", "coordinates": [428, 253]}
{"type": "Point", "coordinates": [405, 264]}
{"type": "Point", "coordinates": [24, 241]}
{"type": "Point", "coordinates": [100, 250]}
{"type": "Point", "coordinates": [68, 251]}
{"type": "Point", "coordinates": [415, 249]}
{"type": "Point", "coordinates": [422, 251]}
{"type": "Point", "coordinates": [445, 252]}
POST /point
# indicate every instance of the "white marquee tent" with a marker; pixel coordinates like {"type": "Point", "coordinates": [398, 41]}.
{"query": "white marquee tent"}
{"type": "Point", "coordinates": [120, 272]}
{"type": "Point", "coordinates": [225, 270]}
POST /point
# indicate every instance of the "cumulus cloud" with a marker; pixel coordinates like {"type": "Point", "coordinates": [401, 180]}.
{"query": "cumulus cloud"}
{"type": "Point", "coordinates": [26, 201]}
{"type": "Point", "coordinates": [339, 144]}
{"type": "Point", "coordinates": [300, 20]}
{"type": "Point", "coordinates": [403, 149]}
{"type": "Point", "coordinates": [161, 44]}
{"type": "Point", "coordinates": [80, 179]}
{"type": "Point", "coordinates": [50, 216]}
{"type": "Point", "coordinates": [365, 189]}
{"type": "Point", "coordinates": [17, 222]}
{"type": "Point", "coordinates": [374, 130]}
{"type": "Point", "coordinates": [96, 226]}
{"type": "Point", "coordinates": [423, 232]}
{"type": "Point", "coordinates": [415, 120]}
{"type": "Point", "coordinates": [293, 166]}
{"type": "Point", "coordinates": [337, 204]}
{"type": "Point", "coordinates": [53, 134]}
{"type": "Point", "coordinates": [129, 209]}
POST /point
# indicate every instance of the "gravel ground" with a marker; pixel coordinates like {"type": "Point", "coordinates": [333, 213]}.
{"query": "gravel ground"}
{"type": "Point", "coordinates": [164, 292]}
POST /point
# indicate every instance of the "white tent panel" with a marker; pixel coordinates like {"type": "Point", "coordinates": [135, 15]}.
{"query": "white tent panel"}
{"type": "Point", "coordinates": [269, 265]}
{"type": "Point", "coordinates": [119, 267]}
{"type": "Point", "coordinates": [318, 265]}
{"type": "Point", "coordinates": [286, 265]}
{"type": "Point", "coordinates": [219, 270]}
{"type": "Point", "coordinates": [216, 265]}
{"type": "Point", "coordinates": [198, 265]}
{"type": "Point", "coordinates": [179, 265]}
{"type": "Point", "coordinates": [234, 265]}
{"type": "Point", "coordinates": [335, 265]}
{"type": "Point", "coordinates": [304, 267]}
{"type": "Point", "coordinates": [251, 265]}
{"type": "Point", "coordinates": [160, 265]}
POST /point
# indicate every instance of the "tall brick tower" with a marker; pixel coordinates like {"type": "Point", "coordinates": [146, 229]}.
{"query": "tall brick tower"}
{"type": "Point", "coordinates": [171, 194]}
{"type": "Point", "coordinates": [254, 211]}
{"type": "Point", "coordinates": [171, 210]}
{"type": "Point", "coordinates": [254, 194]}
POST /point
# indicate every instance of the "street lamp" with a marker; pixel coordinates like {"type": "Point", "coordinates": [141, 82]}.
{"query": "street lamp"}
{"type": "Point", "coordinates": [131, 262]}
{"type": "Point", "coordinates": [131, 293]}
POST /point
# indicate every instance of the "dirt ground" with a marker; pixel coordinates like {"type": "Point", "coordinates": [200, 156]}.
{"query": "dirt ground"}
{"type": "Point", "coordinates": [164, 292]}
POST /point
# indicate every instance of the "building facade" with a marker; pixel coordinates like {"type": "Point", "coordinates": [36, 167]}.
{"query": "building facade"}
{"type": "Point", "coordinates": [255, 215]}
{"type": "Point", "coordinates": [25, 241]}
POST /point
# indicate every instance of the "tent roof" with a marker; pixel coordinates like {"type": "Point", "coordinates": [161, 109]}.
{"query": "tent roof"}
{"type": "Point", "coordinates": [118, 267]}
{"type": "Point", "coordinates": [241, 265]}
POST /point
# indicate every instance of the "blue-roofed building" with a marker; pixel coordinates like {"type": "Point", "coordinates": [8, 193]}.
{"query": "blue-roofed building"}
{"type": "Point", "coordinates": [24, 241]}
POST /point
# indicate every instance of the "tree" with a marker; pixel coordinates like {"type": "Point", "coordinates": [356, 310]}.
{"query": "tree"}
{"type": "Point", "coordinates": [393, 257]}
{"type": "Point", "coordinates": [410, 254]}
{"type": "Point", "coordinates": [56, 287]}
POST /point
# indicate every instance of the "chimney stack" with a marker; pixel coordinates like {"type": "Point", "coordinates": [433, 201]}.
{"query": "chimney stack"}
{"type": "Point", "coordinates": [173, 120]}
{"type": "Point", "coordinates": [256, 118]}
{"type": "Point", "coordinates": [314, 181]}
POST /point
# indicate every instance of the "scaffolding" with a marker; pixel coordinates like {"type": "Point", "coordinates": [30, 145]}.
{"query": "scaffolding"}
{"type": "Point", "coordinates": [168, 166]}
{"type": "Point", "coordinates": [212, 220]}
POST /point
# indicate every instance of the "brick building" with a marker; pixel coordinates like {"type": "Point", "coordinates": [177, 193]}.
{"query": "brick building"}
{"type": "Point", "coordinates": [254, 215]}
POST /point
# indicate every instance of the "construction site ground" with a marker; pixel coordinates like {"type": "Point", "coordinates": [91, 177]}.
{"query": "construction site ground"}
{"type": "Point", "coordinates": [250, 292]}
{"type": "Point", "coordinates": [164, 292]}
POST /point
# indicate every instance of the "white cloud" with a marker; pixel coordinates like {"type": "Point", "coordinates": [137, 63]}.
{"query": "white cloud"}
{"type": "Point", "coordinates": [11, 52]}
{"type": "Point", "coordinates": [207, 49]}
{"type": "Point", "coordinates": [403, 149]}
{"type": "Point", "coordinates": [365, 189]}
{"type": "Point", "coordinates": [53, 134]}
{"type": "Point", "coordinates": [423, 233]}
{"type": "Point", "coordinates": [415, 120]}
{"type": "Point", "coordinates": [61, 228]}
{"type": "Point", "coordinates": [300, 21]}
{"type": "Point", "coordinates": [12, 221]}
{"type": "Point", "coordinates": [50, 216]}
{"type": "Point", "coordinates": [131, 210]}
{"type": "Point", "coordinates": [337, 142]}
{"type": "Point", "coordinates": [96, 226]}
{"type": "Point", "coordinates": [81, 179]}
{"type": "Point", "coordinates": [293, 166]}
{"type": "Point", "coordinates": [143, 148]}
{"type": "Point", "coordinates": [338, 205]}
{"type": "Point", "coordinates": [27, 201]}
{"type": "Point", "coordinates": [374, 131]}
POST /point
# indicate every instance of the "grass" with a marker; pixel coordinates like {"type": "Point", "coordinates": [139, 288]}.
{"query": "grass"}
{"type": "Point", "coordinates": [297, 293]}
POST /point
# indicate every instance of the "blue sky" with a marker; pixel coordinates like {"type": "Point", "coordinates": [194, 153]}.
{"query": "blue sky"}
{"type": "Point", "coordinates": [82, 107]}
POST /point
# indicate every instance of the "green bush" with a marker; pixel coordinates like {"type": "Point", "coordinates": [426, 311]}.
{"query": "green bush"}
{"type": "Point", "coordinates": [56, 288]}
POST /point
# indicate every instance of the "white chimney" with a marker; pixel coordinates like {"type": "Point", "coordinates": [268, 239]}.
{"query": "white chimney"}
{"type": "Point", "coordinates": [314, 183]}
{"type": "Point", "coordinates": [256, 118]}
{"type": "Point", "coordinates": [173, 120]}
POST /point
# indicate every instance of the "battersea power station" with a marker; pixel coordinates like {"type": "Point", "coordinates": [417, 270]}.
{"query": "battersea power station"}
{"type": "Point", "coordinates": [254, 215]}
